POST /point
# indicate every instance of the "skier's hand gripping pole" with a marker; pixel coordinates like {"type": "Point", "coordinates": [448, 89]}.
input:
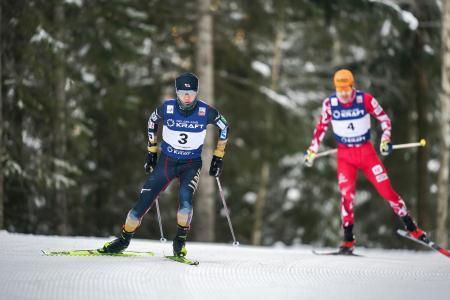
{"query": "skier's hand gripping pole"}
{"type": "Point", "coordinates": [235, 243]}
{"type": "Point", "coordinates": [309, 157]}
{"type": "Point", "coordinates": [421, 143]}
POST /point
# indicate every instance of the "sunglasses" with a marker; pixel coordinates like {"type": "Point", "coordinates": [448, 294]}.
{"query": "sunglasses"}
{"type": "Point", "coordinates": [344, 89]}
{"type": "Point", "coordinates": [181, 93]}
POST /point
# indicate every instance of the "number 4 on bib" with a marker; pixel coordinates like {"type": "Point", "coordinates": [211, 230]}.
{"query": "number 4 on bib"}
{"type": "Point", "coordinates": [350, 126]}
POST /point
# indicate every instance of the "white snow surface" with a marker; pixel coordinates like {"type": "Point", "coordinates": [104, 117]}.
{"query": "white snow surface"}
{"type": "Point", "coordinates": [225, 272]}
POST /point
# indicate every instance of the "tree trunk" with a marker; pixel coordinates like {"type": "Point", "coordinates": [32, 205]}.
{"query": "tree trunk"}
{"type": "Point", "coordinates": [1, 124]}
{"type": "Point", "coordinates": [277, 55]}
{"type": "Point", "coordinates": [265, 168]}
{"type": "Point", "coordinates": [205, 207]}
{"type": "Point", "coordinates": [422, 100]}
{"type": "Point", "coordinates": [61, 126]}
{"type": "Point", "coordinates": [443, 176]}
{"type": "Point", "coordinates": [422, 153]}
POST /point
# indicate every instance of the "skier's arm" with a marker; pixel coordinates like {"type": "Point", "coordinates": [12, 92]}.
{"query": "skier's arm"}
{"type": "Point", "coordinates": [214, 117]}
{"type": "Point", "coordinates": [375, 109]}
{"type": "Point", "coordinates": [321, 126]}
{"type": "Point", "coordinates": [152, 130]}
{"type": "Point", "coordinates": [319, 133]}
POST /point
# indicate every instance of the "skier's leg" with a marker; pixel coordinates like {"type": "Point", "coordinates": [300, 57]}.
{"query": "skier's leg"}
{"type": "Point", "coordinates": [155, 183]}
{"type": "Point", "coordinates": [347, 173]}
{"type": "Point", "coordinates": [376, 172]}
{"type": "Point", "coordinates": [189, 178]}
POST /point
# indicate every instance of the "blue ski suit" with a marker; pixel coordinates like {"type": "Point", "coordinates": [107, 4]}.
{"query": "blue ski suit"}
{"type": "Point", "coordinates": [183, 136]}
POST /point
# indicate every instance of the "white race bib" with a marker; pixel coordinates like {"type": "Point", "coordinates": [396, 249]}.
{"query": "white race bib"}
{"type": "Point", "coordinates": [351, 128]}
{"type": "Point", "coordinates": [183, 140]}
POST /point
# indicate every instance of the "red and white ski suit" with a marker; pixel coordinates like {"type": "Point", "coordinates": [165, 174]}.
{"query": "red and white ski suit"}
{"type": "Point", "coordinates": [351, 128]}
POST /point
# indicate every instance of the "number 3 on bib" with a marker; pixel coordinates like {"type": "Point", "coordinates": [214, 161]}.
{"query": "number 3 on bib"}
{"type": "Point", "coordinates": [183, 138]}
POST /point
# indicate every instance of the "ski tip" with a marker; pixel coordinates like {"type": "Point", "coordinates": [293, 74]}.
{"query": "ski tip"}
{"type": "Point", "coordinates": [48, 253]}
{"type": "Point", "coordinates": [445, 252]}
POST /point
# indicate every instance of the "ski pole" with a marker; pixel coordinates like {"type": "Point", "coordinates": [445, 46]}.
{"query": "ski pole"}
{"type": "Point", "coordinates": [162, 239]}
{"type": "Point", "coordinates": [235, 243]}
{"type": "Point", "coordinates": [421, 143]}
{"type": "Point", "coordinates": [325, 153]}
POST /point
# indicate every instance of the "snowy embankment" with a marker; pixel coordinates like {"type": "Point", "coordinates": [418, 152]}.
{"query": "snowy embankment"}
{"type": "Point", "coordinates": [225, 272]}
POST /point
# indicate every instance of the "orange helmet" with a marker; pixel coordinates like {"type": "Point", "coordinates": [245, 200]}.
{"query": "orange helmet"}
{"type": "Point", "coordinates": [343, 80]}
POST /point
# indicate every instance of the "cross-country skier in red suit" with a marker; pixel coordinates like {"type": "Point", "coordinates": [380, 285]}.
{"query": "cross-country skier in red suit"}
{"type": "Point", "coordinates": [349, 111]}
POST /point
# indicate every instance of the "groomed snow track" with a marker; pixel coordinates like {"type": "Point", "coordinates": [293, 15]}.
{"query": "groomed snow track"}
{"type": "Point", "coordinates": [225, 272]}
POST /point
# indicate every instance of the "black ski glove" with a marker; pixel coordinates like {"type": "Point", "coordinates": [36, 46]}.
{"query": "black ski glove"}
{"type": "Point", "coordinates": [216, 166]}
{"type": "Point", "coordinates": [151, 162]}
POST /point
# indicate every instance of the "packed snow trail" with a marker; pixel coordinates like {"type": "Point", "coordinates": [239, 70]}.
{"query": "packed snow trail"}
{"type": "Point", "coordinates": [225, 272]}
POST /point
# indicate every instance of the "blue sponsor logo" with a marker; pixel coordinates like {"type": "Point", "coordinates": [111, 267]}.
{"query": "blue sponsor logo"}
{"type": "Point", "coordinates": [348, 113]}
{"type": "Point", "coordinates": [170, 122]}
{"type": "Point", "coordinates": [182, 152]}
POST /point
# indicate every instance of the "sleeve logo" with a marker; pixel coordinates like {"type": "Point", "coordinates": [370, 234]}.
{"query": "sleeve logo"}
{"type": "Point", "coordinates": [221, 124]}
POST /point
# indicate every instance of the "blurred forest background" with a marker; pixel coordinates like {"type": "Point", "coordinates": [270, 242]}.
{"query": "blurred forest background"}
{"type": "Point", "coordinates": [79, 79]}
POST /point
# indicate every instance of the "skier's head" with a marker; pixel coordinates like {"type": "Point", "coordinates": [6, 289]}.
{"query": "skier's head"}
{"type": "Point", "coordinates": [343, 82]}
{"type": "Point", "coordinates": [186, 87]}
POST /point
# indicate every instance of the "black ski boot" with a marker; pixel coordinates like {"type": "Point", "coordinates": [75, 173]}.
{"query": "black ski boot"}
{"type": "Point", "coordinates": [347, 248]}
{"type": "Point", "coordinates": [118, 245]}
{"type": "Point", "coordinates": [414, 230]}
{"type": "Point", "coordinates": [348, 245]}
{"type": "Point", "coordinates": [179, 241]}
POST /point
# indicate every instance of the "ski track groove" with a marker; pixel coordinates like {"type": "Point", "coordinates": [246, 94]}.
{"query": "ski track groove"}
{"type": "Point", "coordinates": [225, 272]}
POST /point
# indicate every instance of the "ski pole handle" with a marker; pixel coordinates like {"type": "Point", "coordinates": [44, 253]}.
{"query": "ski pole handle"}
{"type": "Point", "coordinates": [421, 143]}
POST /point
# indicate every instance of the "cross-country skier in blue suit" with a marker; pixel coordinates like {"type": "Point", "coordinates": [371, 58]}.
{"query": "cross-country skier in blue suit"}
{"type": "Point", "coordinates": [184, 122]}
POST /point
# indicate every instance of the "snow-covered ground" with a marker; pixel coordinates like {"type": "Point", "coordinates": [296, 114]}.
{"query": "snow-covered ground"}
{"type": "Point", "coordinates": [225, 272]}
